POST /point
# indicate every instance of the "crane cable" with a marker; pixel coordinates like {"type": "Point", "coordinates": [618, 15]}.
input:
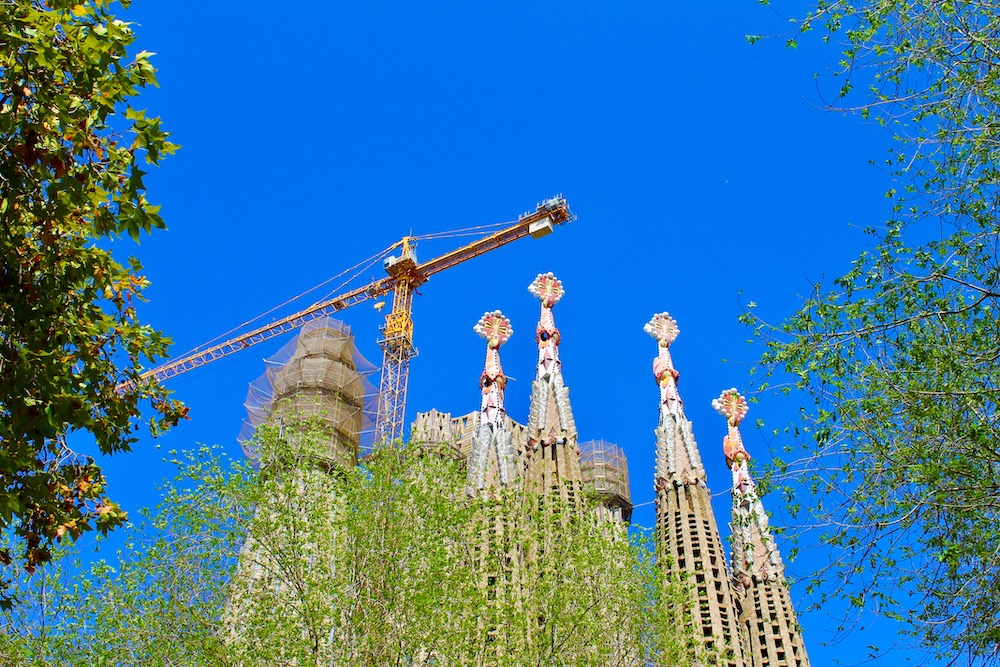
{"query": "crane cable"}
{"type": "Point", "coordinates": [480, 230]}
{"type": "Point", "coordinates": [357, 268]}
{"type": "Point", "coordinates": [363, 265]}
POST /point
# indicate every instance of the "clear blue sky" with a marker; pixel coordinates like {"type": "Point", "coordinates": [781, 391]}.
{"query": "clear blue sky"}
{"type": "Point", "coordinates": [316, 134]}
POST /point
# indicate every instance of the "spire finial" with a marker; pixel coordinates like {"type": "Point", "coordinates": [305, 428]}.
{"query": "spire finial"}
{"type": "Point", "coordinates": [732, 405]}
{"type": "Point", "coordinates": [496, 329]}
{"type": "Point", "coordinates": [665, 330]}
{"type": "Point", "coordinates": [492, 439]}
{"type": "Point", "coordinates": [549, 290]}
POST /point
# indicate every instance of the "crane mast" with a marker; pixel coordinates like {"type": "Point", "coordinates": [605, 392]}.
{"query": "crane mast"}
{"type": "Point", "coordinates": [405, 275]}
{"type": "Point", "coordinates": [397, 344]}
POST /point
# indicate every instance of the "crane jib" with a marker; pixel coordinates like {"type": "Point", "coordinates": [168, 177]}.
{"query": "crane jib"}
{"type": "Point", "coordinates": [395, 367]}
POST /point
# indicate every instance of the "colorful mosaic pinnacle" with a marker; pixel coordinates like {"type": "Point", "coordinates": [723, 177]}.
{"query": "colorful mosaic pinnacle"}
{"type": "Point", "coordinates": [664, 329]}
{"type": "Point", "coordinates": [492, 439]}
{"type": "Point", "coordinates": [496, 329]}
{"type": "Point", "coordinates": [678, 459]}
{"type": "Point", "coordinates": [547, 288]}
{"type": "Point", "coordinates": [553, 454]}
{"type": "Point", "coordinates": [732, 405]}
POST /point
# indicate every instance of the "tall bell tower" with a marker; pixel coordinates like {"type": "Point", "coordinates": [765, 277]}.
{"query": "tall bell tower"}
{"type": "Point", "coordinates": [772, 633]}
{"type": "Point", "coordinates": [687, 533]}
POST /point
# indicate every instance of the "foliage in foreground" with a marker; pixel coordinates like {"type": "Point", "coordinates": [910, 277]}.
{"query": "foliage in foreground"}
{"type": "Point", "coordinates": [901, 356]}
{"type": "Point", "coordinates": [387, 564]}
{"type": "Point", "coordinates": [70, 181]}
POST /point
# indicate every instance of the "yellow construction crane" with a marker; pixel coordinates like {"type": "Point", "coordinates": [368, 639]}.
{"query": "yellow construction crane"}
{"type": "Point", "coordinates": [405, 275]}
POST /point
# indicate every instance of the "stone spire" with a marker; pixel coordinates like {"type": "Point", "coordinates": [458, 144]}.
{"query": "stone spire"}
{"type": "Point", "coordinates": [686, 530]}
{"type": "Point", "coordinates": [766, 612]}
{"type": "Point", "coordinates": [754, 550]}
{"type": "Point", "coordinates": [492, 459]}
{"type": "Point", "coordinates": [677, 457]}
{"type": "Point", "coordinates": [553, 455]}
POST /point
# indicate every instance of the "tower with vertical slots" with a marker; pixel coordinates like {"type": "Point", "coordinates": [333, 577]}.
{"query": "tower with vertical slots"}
{"type": "Point", "coordinates": [736, 615]}
{"type": "Point", "coordinates": [771, 632]}
{"type": "Point", "coordinates": [686, 531]}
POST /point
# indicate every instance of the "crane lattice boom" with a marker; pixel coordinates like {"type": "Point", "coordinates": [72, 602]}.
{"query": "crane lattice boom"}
{"type": "Point", "coordinates": [405, 275]}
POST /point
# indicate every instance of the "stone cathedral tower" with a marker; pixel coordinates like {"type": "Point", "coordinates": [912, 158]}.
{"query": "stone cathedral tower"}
{"type": "Point", "coordinates": [736, 616]}
{"type": "Point", "coordinates": [553, 453]}
{"type": "Point", "coordinates": [770, 632]}
{"type": "Point", "coordinates": [686, 530]}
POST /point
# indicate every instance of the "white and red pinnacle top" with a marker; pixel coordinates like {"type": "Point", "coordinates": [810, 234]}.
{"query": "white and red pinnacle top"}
{"type": "Point", "coordinates": [755, 555]}
{"type": "Point", "coordinates": [677, 458]}
{"type": "Point", "coordinates": [496, 329]}
{"type": "Point", "coordinates": [664, 329]}
{"type": "Point", "coordinates": [733, 406]}
{"type": "Point", "coordinates": [549, 290]}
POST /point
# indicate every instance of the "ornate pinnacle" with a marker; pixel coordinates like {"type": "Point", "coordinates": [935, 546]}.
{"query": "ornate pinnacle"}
{"type": "Point", "coordinates": [677, 456]}
{"type": "Point", "coordinates": [495, 328]}
{"type": "Point", "coordinates": [550, 417]}
{"type": "Point", "coordinates": [732, 405]}
{"type": "Point", "coordinates": [548, 288]}
{"type": "Point", "coordinates": [491, 431]}
{"type": "Point", "coordinates": [663, 328]}
{"type": "Point", "coordinates": [755, 555]}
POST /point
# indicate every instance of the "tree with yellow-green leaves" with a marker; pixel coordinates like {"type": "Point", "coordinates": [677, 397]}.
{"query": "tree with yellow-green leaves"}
{"type": "Point", "coordinates": [298, 564]}
{"type": "Point", "coordinates": [897, 362]}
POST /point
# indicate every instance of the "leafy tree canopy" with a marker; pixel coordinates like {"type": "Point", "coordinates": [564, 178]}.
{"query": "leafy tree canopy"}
{"type": "Point", "coordinates": [71, 150]}
{"type": "Point", "coordinates": [390, 563]}
{"type": "Point", "coordinates": [901, 356]}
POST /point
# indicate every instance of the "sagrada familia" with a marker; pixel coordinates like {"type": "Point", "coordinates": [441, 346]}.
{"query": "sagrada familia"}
{"type": "Point", "coordinates": [740, 609]}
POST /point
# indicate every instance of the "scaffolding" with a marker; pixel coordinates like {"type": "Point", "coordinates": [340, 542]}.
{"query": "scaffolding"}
{"type": "Point", "coordinates": [318, 376]}
{"type": "Point", "coordinates": [604, 470]}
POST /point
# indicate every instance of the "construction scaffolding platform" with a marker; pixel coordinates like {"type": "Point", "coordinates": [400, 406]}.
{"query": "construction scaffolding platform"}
{"type": "Point", "coordinates": [604, 469]}
{"type": "Point", "coordinates": [318, 376]}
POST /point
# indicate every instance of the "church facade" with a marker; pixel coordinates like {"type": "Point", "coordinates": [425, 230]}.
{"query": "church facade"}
{"type": "Point", "coordinates": [739, 611]}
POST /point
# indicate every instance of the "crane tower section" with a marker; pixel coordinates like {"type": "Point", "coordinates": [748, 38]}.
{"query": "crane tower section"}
{"type": "Point", "coordinates": [397, 343]}
{"type": "Point", "coordinates": [406, 274]}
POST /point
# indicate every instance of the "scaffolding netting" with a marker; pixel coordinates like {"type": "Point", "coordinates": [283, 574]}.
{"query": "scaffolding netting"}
{"type": "Point", "coordinates": [604, 469]}
{"type": "Point", "coordinates": [318, 374]}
